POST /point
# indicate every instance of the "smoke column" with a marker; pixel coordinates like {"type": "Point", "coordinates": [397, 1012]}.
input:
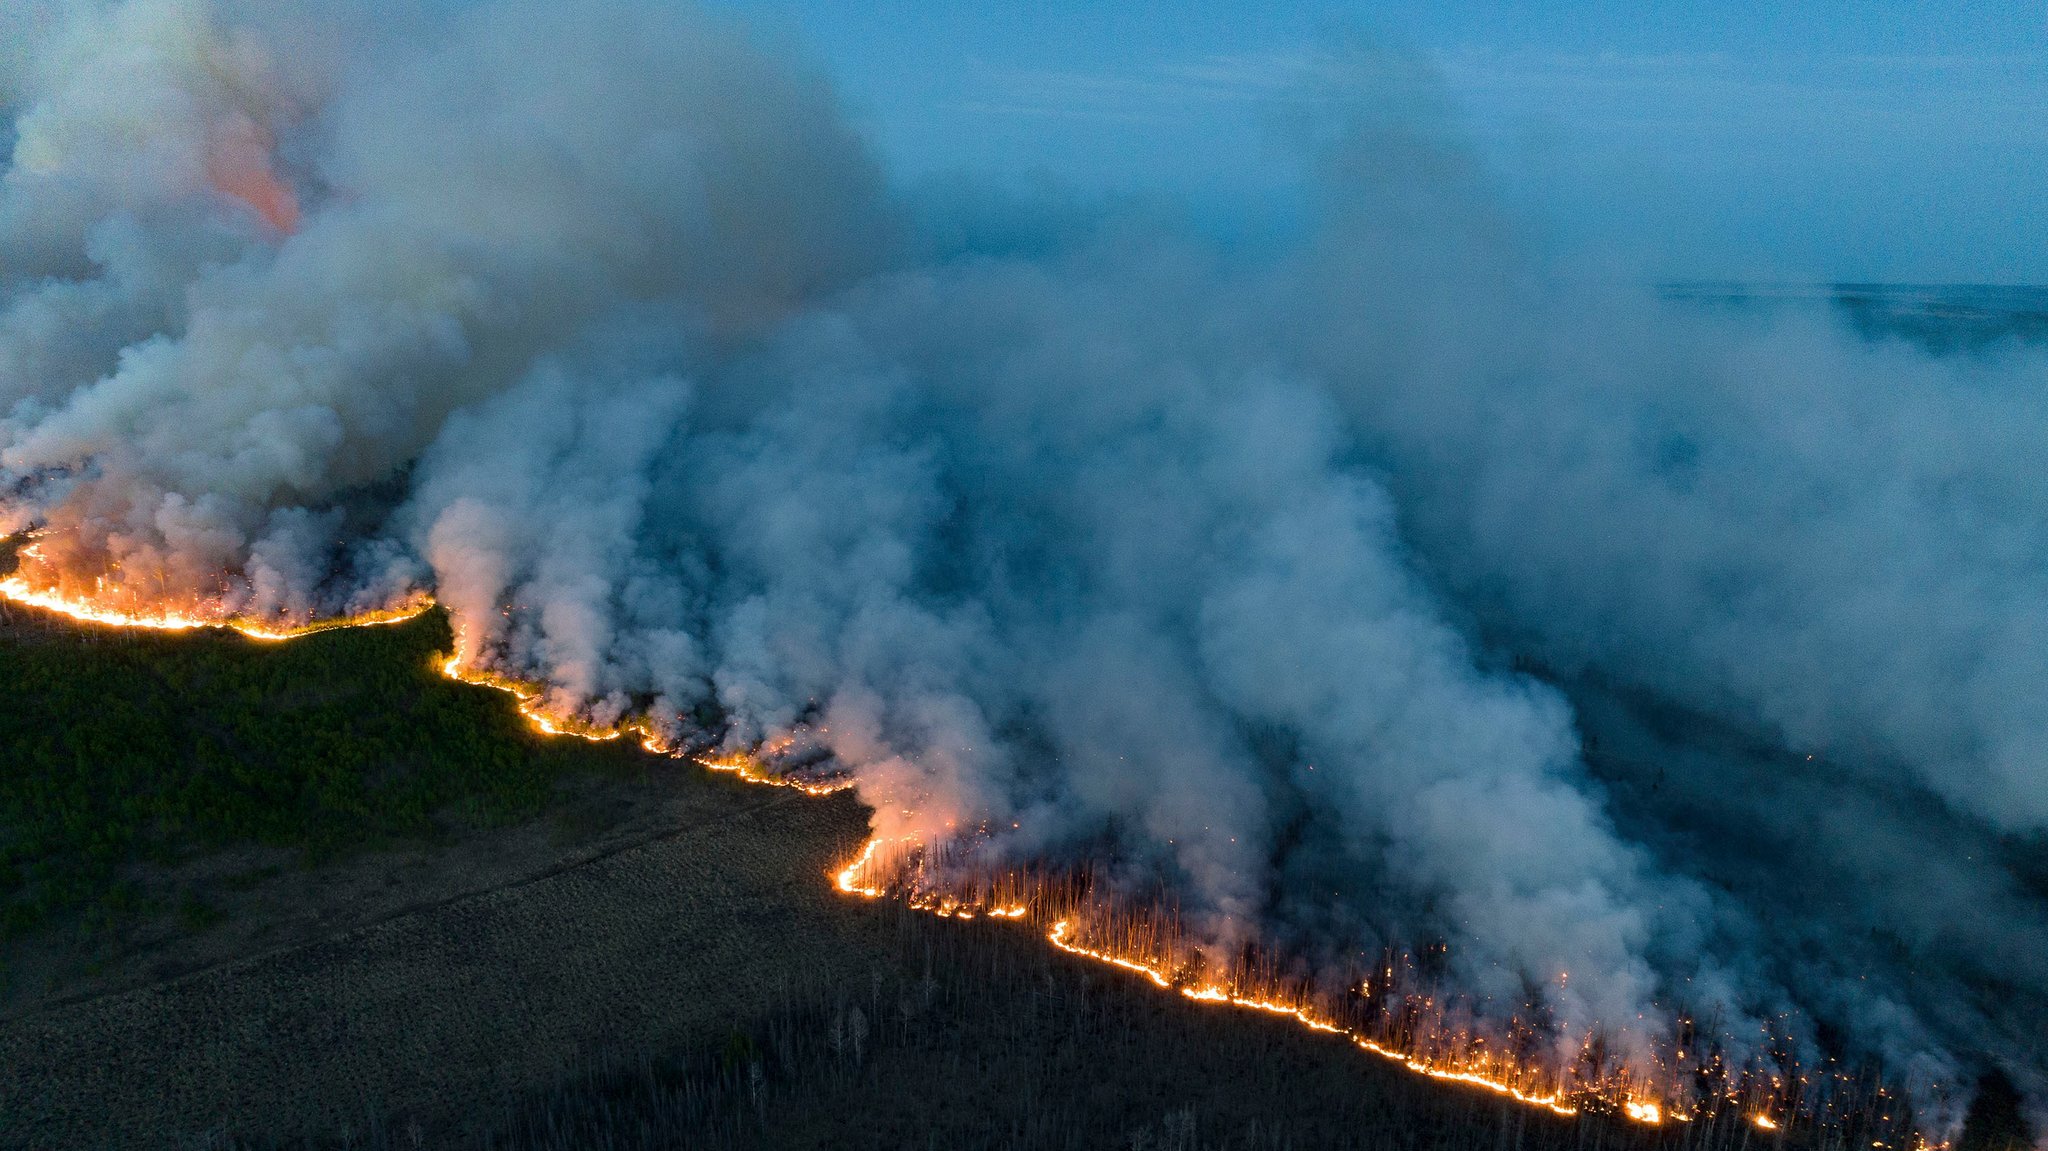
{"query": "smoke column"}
{"type": "Point", "coordinates": [1400, 587]}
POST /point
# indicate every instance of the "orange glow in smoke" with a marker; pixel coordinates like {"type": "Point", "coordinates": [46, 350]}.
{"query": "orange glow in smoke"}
{"type": "Point", "coordinates": [239, 166]}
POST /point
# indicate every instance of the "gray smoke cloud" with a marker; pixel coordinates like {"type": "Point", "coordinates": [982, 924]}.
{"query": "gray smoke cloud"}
{"type": "Point", "coordinates": [1402, 587]}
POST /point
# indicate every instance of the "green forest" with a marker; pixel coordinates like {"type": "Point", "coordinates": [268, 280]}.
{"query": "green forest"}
{"type": "Point", "coordinates": [133, 747]}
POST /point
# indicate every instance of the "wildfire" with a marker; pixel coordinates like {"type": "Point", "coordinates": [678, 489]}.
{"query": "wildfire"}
{"type": "Point", "coordinates": [531, 701]}
{"type": "Point", "coordinates": [18, 590]}
{"type": "Point", "coordinates": [848, 880]}
{"type": "Point", "coordinates": [1059, 937]}
{"type": "Point", "coordinates": [530, 697]}
{"type": "Point", "coordinates": [877, 870]}
{"type": "Point", "coordinates": [909, 870]}
{"type": "Point", "coordinates": [751, 771]}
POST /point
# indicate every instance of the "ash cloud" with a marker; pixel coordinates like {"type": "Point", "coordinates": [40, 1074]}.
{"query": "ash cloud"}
{"type": "Point", "coordinates": [1403, 586]}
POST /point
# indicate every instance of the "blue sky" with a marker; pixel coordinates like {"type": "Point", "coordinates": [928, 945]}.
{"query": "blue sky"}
{"type": "Point", "coordinates": [1874, 140]}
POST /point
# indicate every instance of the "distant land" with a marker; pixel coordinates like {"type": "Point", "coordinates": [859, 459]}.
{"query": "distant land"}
{"type": "Point", "coordinates": [1939, 317]}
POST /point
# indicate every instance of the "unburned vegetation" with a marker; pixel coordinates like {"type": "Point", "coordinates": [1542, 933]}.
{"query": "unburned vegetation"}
{"type": "Point", "coordinates": [126, 748]}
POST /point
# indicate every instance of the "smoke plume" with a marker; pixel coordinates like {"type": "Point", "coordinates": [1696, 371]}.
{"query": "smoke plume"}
{"type": "Point", "coordinates": [1401, 587]}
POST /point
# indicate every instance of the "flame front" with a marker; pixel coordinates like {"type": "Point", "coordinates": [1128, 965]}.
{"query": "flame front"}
{"type": "Point", "coordinates": [866, 875]}
{"type": "Point", "coordinates": [17, 590]}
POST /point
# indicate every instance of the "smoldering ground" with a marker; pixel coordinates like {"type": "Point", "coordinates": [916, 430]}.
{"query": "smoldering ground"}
{"type": "Point", "coordinates": [1402, 585]}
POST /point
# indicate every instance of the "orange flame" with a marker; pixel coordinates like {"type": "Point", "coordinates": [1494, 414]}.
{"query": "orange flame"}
{"type": "Point", "coordinates": [531, 700]}
{"type": "Point", "coordinates": [18, 590]}
{"type": "Point", "coordinates": [859, 877]}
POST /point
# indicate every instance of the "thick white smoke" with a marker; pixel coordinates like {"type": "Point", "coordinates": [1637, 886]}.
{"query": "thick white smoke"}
{"type": "Point", "coordinates": [258, 276]}
{"type": "Point", "coordinates": [597, 321]}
